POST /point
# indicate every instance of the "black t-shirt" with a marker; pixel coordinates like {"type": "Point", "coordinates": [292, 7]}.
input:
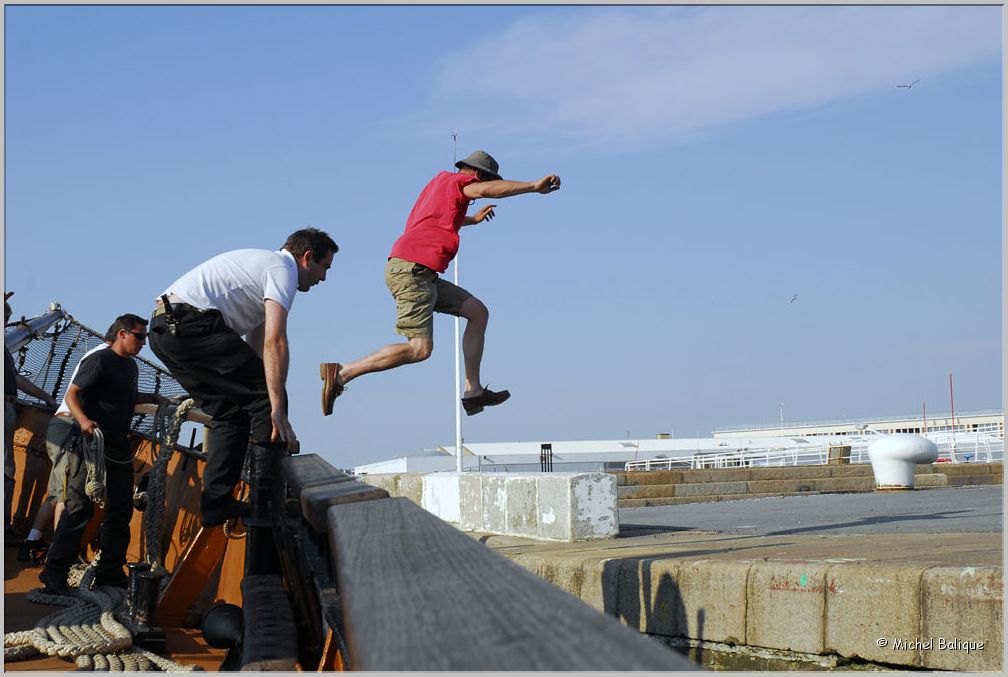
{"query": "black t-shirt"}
{"type": "Point", "coordinates": [108, 393]}
{"type": "Point", "coordinates": [10, 374]}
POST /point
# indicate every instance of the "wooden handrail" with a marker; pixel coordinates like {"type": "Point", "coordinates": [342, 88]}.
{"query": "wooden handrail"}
{"type": "Point", "coordinates": [418, 594]}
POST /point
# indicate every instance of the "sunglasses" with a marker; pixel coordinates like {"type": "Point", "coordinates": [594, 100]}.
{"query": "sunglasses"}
{"type": "Point", "coordinates": [140, 335]}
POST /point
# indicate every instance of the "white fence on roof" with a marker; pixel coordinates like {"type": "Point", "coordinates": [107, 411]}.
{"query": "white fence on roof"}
{"type": "Point", "coordinates": [953, 447]}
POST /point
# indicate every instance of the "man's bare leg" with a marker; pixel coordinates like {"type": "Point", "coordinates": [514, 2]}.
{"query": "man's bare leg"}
{"type": "Point", "coordinates": [416, 349]}
{"type": "Point", "coordinates": [44, 517]}
{"type": "Point", "coordinates": [477, 316]}
{"type": "Point", "coordinates": [335, 376]}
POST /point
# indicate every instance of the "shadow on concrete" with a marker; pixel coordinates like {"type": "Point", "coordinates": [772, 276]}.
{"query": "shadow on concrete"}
{"type": "Point", "coordinates": [631, 530]}
{"type": "Point", "coordinates": [630, 593]}
{"type": "Point", "coordinates": [869, 521]}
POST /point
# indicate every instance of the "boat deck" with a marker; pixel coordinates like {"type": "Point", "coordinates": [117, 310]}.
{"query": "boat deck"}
{"type": "Point", "coordinates": [185, 646]}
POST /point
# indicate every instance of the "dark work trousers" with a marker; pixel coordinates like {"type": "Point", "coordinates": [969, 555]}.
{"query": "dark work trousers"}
{"type": "Point", "coordinates": [10, 423]}
{"type": "Point", "coordinates": [227, 380]}
{"type": "Point", "coordinates": [114, 534]}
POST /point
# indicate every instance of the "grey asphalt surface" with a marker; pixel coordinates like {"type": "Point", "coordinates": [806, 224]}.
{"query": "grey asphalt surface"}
{"type": "Point", "coordinates": [924, 511]}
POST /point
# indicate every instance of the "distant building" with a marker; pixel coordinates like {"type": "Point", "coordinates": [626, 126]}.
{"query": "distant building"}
{"type": "Point", "coordinates": [988, 422]}
{"type": "Point", "coordinates": [607, 455]}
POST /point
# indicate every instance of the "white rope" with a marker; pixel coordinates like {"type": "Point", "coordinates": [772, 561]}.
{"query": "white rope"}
{"type": "Point", "coordinates": [90, 630]}
{"type": "Point", "coordinates": [93, 452]}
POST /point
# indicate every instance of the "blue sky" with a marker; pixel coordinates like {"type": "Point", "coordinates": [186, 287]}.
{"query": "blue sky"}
{"type": "Point", "coordinates": [715, 162]}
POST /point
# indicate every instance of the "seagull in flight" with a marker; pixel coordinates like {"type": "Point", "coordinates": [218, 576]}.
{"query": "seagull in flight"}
{"type": "Point", "coordinates": [910, 85]}
{"type": "Point", "coordinates": [794, 298]}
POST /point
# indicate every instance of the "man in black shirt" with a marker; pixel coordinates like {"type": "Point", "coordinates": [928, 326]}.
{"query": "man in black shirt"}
{"type": "Point", "coordinates": [102, 396]}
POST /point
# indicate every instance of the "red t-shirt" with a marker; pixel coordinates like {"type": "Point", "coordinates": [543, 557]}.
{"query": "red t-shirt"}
{"type": "Point", "coordinates": [431, 236]}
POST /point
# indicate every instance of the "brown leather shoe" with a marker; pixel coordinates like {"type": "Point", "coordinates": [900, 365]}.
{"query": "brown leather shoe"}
{"type": "Point", "coordinates": [329, 371]}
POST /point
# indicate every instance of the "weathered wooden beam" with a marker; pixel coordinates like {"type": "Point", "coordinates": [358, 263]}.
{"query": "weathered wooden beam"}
{"type": "Point", "coordinates": [309, 470]}
{"type": "Point", "coordinates": [420, 595]}
{"type": "Point", "coordinates": [315, 501]}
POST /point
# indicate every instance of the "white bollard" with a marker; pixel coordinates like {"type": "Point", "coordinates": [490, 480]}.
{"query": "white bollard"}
{"type": "Point", "coordinates": [894, 459]}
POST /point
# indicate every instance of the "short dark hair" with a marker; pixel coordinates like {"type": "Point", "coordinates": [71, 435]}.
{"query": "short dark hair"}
{"type": "Point", "coordinates": [310, 240]}
{"type": "Point", "coordinates": [123, 323]}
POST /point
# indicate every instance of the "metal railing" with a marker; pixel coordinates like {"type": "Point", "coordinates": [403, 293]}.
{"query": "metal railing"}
{"type": "Point", "coordinates": [791, 425]}
{"type": "Point", "coordinates": [952, 448]}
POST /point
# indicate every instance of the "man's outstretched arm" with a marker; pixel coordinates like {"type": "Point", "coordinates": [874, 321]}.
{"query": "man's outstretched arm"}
{"type": "Point", "coordinates": [276, 360]}
{"type": "Point", "coordinates": [502, 188]}
{"type": "Point", "coordinates": [26, 386]}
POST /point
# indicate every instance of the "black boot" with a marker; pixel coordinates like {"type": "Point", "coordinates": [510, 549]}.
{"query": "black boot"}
{"type": "Point", "coordinates": [55, 584]}
{"type": "Point", "coordinates": [33, 551]}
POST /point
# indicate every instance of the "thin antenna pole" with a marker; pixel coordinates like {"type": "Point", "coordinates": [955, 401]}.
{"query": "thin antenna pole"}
{"type": "Point", "coordinates": [458, 356]}
{"type": "Point", "coordinates": [952, 402]}
{"type": "Point", "coordinates": [782, 428]}
{"type": "Point", "coordinates": [924, 412]}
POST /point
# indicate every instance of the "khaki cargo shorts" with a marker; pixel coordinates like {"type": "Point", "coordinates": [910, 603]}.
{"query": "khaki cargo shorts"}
{"type": "Point", "coordinates": [418, 294]}
{"type": "Point", "coordinates": [57, 443]}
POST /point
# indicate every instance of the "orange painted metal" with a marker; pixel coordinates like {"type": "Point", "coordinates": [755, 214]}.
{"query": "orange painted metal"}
{"type": "Point", "coordinates": [182, 497]}
{"type": "Point", "coordinates": [232, 568]}
{"type": "Point", "coordinates": [332, 657]}
{"type": "Point", "coordinates": [32, 465]}
{"type": "Point", "coordinates": [190, 576]}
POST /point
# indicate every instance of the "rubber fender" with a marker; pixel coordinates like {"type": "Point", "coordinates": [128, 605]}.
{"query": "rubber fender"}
{"type": "Point", "coordinates": [222, 626]}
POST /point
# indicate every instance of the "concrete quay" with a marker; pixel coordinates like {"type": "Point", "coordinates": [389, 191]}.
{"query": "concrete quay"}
{"type": "Point", "coordinates": [798, 598]}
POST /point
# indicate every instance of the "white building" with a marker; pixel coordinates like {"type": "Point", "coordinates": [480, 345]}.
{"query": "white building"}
{"type": "Point", "coordinates": [804, 442]}
{"type": "Point", "coordinates": [991, 422]}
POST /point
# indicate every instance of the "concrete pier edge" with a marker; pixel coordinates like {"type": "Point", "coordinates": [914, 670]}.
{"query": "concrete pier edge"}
{"type": "Point", "coordinates": [933, 617]}
{"type": "Point", "coordinates": [698, 590]}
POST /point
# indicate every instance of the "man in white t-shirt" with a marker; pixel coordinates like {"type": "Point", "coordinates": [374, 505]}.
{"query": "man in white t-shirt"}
{"type": "Point", "coordinates": [240, 383]}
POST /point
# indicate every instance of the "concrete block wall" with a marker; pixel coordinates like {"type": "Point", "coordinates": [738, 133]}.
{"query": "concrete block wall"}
{"type": "Point", "coordinates": [938, 618]}
{"type": "Point", "coordinates": [556, 506]}
{"type": "Point", "coordinates": [639, 489]}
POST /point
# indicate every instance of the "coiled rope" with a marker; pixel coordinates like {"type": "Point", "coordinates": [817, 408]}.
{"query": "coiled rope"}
{"type": "Point", "coordinates": [90, 630]}
{"type": "Point", "coordinates": [93, 452]}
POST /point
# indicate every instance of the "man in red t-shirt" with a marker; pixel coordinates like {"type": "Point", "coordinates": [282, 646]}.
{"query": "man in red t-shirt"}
{"type": "Point", "coordinates": [425, 249]}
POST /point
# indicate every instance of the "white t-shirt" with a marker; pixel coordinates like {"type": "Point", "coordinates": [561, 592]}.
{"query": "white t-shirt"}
{"type": "Point", "coordinates": [63, 408]}
{"type": "Point", "coordinates": [237, 283]}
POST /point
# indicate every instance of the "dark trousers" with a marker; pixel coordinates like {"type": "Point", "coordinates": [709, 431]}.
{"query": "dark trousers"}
{"type": "Point", "coordinates": [114, 534]}
{"type": "Point", "coordinates": [227, 380]}
{"type": "Point", "coordinates": [10, 423]}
